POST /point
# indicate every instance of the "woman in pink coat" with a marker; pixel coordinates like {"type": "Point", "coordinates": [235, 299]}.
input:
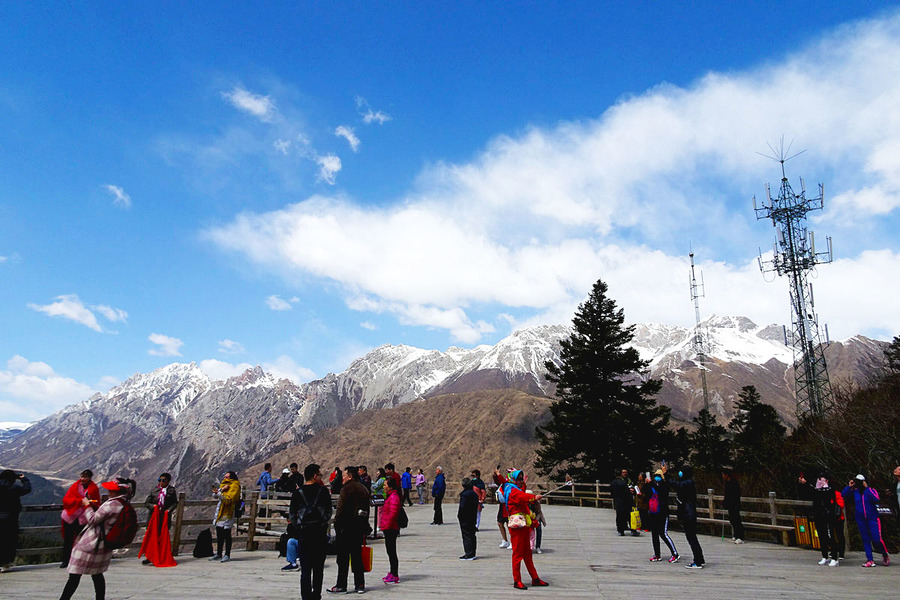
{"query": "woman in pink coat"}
{"type": "Point", "coordinates": [390, 526]}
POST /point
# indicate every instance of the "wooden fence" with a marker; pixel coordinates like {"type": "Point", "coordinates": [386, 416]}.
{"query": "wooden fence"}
{"type": "Point", "coordinates": [265, 519]}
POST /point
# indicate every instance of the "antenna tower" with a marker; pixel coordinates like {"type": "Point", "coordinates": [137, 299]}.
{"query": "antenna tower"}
{"type": "Point", "coordinates": [794, 256]}
{"type": "Point", "coordinates": [697, 292]}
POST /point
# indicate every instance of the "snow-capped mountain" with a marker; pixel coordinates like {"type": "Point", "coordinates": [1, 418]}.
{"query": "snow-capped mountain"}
{"type": "Point", "coordinates": [177, 419]}
{"type": "Point", "coordinates": [10, 429]}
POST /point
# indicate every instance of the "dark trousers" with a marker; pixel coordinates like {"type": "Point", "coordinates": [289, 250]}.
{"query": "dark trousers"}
{"type": "Point", "coordinates": [70, 532]}
{"type": "Point", "coordinates": [312, 564]}
{"type": "Point", "coordinates": [827, 539]}
{"type": "Point", "coordinates": [840, 542]}
{"type": "Point", "coordinates": [223, 536]}
{"type": "Point", "coordinates": [74, 580]}
{"type": "Point", "coordinates": [623, 519]}
{"type": "Point", "coordinates": [406, 497]}
{"type": "Point", "coordinates": [690, 534]}
{"type": "Point", "coordinates": [468, 538]}
{"type": "Point", "coordinates": [737, 526]}
{"type": "Point", "coordinates": [659, 528]}
{"type": "Point", "coordinates": [349, 551]}
{"type": "Point", "coordinates": [438, 511]}
{"type": "Point", "coordinates": [390, 547]}
{"type": "Point", "coordinates": [9, 537]}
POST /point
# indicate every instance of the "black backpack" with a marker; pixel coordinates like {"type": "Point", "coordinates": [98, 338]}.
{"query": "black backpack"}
{"type": "Point", "coordinates": [204, 547]}
{"type": "Point", "coordinates": [310, 515]}
{"type": "Point", "coordinates": [402, 518]}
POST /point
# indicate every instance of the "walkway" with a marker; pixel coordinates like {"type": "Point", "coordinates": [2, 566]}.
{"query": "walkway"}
{"type": "Point", "coordinates": [583, 558]}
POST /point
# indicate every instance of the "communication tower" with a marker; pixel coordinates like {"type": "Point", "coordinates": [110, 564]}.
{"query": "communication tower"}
{"type": "Point", "coordinates": [698, 344]}
{"type": "Point", "coordinates": [794, 256]}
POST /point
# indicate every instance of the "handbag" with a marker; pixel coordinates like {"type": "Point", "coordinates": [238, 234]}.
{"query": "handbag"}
{"type": "Point", "coordinates": [518, 521]}
{"type": "Point", "coordinates": [368, 557]}
{"type": "Point", "coordinates": [635, 519]}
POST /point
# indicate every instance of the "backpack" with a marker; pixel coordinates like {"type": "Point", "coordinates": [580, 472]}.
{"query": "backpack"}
{"type": "Point", "coordinates": [239, 510]}
{"type": "Point", "coordinates": [653, 503]}
{"type": "Point", "coordinates": [402, 518]}
{"type": "Point", "coordinates": [124, 528]}
{"type": "Point", "coordinates": [310, 516]}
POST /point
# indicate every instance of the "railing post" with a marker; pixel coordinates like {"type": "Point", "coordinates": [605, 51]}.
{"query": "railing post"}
{"type": "Point", "coordinates": [712, 509]}
{"type": "Point", "coordinates": [251, 528]}
{"type": "Point", "coordinates": [179, 517]}
{"type": "Point", "coordinates": [597, 493]}
{"type": "Point", "coordinates": [773, 513]}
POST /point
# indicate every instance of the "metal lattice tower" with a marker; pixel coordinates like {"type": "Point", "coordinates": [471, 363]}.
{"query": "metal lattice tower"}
{"type": "Point", "coordinates": [794, 256]}
{"type": "Point", "coordinates": [698, 344]}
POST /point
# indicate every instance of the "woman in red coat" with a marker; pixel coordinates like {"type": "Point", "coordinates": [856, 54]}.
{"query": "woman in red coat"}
{"type": "Point", "coordinates": [517, 501]}
{"type": "Point", "coordinates": [74, 517]}
{"type": "Point", "coordinates": [389, 523]}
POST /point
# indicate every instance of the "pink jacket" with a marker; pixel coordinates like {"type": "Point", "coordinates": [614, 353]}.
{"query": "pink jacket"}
{"type": "Point", "coordinates": [387, 519]}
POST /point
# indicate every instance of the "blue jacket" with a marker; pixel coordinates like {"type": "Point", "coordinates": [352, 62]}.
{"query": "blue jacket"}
{"type": "Point", "coordinates": [864, 504]}
{"type": "Point", "coordinates": [264, 481]}
{"type": "Point", "coordinates": [437, 490]}
{"type": "Point", "coordinates": [406, 481]}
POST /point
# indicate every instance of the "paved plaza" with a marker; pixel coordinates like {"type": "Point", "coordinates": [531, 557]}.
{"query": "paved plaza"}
{"type": "Point", "coordinates": [583, 558]}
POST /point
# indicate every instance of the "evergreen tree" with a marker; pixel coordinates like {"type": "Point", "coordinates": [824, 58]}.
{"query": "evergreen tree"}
{"type": "Point", "coordinates": [604, 416]}
{"type": "Point", "coordinates": [892, 357]}
{"type": "Point", "coordinates": [710, 447]}
{"type": "Point", "coordinates": [759, 435]}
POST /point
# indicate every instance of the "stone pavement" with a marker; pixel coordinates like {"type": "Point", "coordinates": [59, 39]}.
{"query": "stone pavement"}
{"type": "Point", "coordinates": [583, 558]}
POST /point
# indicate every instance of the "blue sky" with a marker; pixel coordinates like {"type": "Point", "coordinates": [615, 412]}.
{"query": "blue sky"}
{"type": "Point", "coordinates": [294, 184]}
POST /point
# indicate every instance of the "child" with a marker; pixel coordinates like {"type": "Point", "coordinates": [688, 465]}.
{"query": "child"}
{"type": "Point", "coordinates": [539, 521]}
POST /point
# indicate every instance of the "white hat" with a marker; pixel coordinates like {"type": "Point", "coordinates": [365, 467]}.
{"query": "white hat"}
{"type": "Point", "coordinates": [861, 477]}
{"type": "Point", "coordinates": [285, 471]}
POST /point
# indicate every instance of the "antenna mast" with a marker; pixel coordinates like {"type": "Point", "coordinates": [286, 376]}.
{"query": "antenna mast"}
{"type": "Point", "coordinates": [794, 255]}
{"type": "Point", "coordinates": [697, 292]}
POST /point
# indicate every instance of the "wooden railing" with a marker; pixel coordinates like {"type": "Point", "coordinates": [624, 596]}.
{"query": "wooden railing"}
{"type": "Point", "coordinates": [265, 519]}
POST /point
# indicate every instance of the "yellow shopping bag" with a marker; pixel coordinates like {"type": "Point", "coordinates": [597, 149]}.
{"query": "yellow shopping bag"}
{"type": "Point", "coordinates": [635, 519]}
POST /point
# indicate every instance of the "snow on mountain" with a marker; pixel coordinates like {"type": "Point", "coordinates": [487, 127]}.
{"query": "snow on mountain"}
{"type": "Point", "coordinates": [10, 429]}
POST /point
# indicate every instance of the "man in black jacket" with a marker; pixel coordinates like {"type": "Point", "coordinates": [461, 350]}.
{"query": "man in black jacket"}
{"type": "Point", "coordinates": [687, 512]}
{"type": "Point", "coordinates": [310, 513]}
{"type": "Point", "coordinates": [622, 492]}
{"type": "Point", "coordinates": [732, 504]}
{"type": "Point", "coordinates": [350, 521]}
{"type": "Point", "coordinates": [467, 515]}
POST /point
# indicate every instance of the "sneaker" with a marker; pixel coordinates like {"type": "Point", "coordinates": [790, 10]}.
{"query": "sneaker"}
{"type": "Point", "coordinates": [621, 534]}
{"type": "Point", "coordinates": [738, 541]}
{"type": "Point", "coordinates": [655, 559]}
{"type": "Point", "coordinates": [290, 567]}
{"type": "Point", "coordinates": [213, 558]}
{"type": "Point", "coordinates": [824, 561]}
{"type": "Point", "coordinates": [336, 590]}
{"type": "Point", "coordinates": [362, 590]}
{"type": "Point", "coordinates": [520, 586]}
{"type": "Point", "coordinates": [635, 533]}
{"type": "Point", "coordinates": [693, 566]}
{"type": "Point", "coordinates": [464, 557]}
{"type": "Point", "coordinates": [505, 544]}
{"type": "Point", "coordinates": [225, 558]}
{"type": "Point", "coordinates": [833, 563]}
{"type": "Point", "coordinates": [886, 561]}
{"type": "Point", "coordinates": [674, 558]}
{"type": "Point", "coordinates": [538, 550]}
{"type": "Point", "coordinates": [868, 564]}
{"type": "Point", "coordinates": [539, 583]}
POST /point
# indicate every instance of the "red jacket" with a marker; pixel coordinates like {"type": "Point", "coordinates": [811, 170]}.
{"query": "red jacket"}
{"type": "Point", "coordinates": [518, 501]}
{"type": "Point", "coordinates": [387, 519]}
{"type": "Point", "coordinates": [72, 499]}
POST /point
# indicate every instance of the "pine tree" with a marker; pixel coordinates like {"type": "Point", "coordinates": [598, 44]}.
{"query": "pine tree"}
{"type": "Point", "coordinates": [759, 435]}
{"type": "Point", "coordinates": [711, 449]}
{"type": "Point", "coordinates": [605, 416]}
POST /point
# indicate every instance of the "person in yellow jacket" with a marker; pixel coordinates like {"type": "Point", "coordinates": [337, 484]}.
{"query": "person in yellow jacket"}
{"type": "Point", "coordinates": [229, 495]}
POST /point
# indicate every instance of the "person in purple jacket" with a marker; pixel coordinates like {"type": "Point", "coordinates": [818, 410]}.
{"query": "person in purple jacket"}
{"type": "Point", "coordinates": [865, 501]}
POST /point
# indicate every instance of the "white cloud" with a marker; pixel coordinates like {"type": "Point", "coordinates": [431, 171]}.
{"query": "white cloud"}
{"type": "Point", "coordinates": [276, 302]}
{"type": "Point", "coordinates": [167, 346]}
{"type": "Point", "coordinates": [348, 134]}
{"type": "Point", "coordinates": [523, 229]}
{"type": "Point", "coordinates": [261, 107]}
{"type": "Point", "coordinates": [282, 367]}
{"type": "Point", "coordinates": [120, 198]}
{"type": "Point", "coordinates": [32, 390]}
{"type": "Point", "coordinates": [370, 116]}
{"type": "Point", "coordinates": [329, 166]}
{"type": "Point", "coordinates": [227, 346]}
{"type": "Point", "coordinates": [107, 382]}
{"type": "Point", "coordinates": [368, 325]}
{"type": "Point", "coordinates": [111, 313]}
{"type": "Point", "coordinates": [69, 306]}
{"type": "Point", "coordinates": [282, 145]}
{"type": "Point", "coordinates": [3, 259]}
